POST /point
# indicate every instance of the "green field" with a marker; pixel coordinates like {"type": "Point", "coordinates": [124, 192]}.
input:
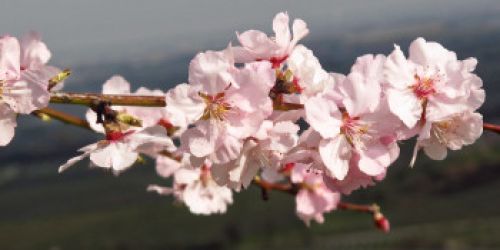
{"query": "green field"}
{"type": "Point", "coordinates": [451, 204]}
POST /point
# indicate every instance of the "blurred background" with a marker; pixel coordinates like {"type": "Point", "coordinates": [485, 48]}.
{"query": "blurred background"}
{"type": "Point", "coordinates": [453, 204]}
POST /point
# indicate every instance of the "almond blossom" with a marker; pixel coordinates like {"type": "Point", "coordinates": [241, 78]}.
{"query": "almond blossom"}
{"type": "Point", "coordinates": [307, 153]}
{"type": "Point", "coordinates": [234, 103]}
{"type": "Point", "coordinates": [314, 198]}
{"type": "Point", "coordinates": [24, 79]}
{"type": "Point", "coordinates": [256, 45]}
{"type": "Point", "coordinates": [429, 91]}
{"type": "Point", "coordinates": [431, 84]}
{"type": "Point", "coordinates": [450, 133]}
{"type": "Point", "coordinates": [120, 150]}
{"type": "Point", "coordinates": [263, 151]}
{"type": "Point", "coordinates": [196, 188]}
{"type": "Point", "coordinates": [362, 127]}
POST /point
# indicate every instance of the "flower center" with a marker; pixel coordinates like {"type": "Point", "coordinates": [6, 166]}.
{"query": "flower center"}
{"type": "Point", "coordinates": [216, 107]}
{"type": "Point", "coordinates": [355, 131]}
{"type": "Point", "coordinates": [117, 135]}
{"type": "Point", "coordinates": [423, 87]}
{"type": "Point", "coordinates": [442, 129]}
{"type": "Point", "coordinates": [277, 61]}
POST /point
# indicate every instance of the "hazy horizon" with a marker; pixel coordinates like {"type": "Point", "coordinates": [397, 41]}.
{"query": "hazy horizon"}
{"type": "Point", "coordinates": [103, 31]}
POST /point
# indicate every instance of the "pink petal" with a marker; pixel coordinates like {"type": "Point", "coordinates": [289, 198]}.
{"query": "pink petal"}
{"type": "Point", "coordinates": [300, 30]}
{"type": "Point", "coordinates": [256, 43]}
{"type": "Point", "coordinates": [361, 95]}
{"type": "Point", "coordinates": [184, 106]}
{"type": "Point", "coordinates": [116, 85]}
{"type": "Point", "coordinates": [10, 53]}
{"type": "Point", "coordinates": [116, 156]}
{"type": "Point", "coordinates": [210, 71]}
{"type": "Point", "coordinates": [281, 29]}
{"type": "Point", "coordinates": [436, 151]}
{"type": "Point", "coordinates": [166, 166]}
{"type": "Point", "coordinates": [375, 159]}
{"type": "Point", "coordinates": [7, 124]}
{"type": "Point", "coordinates": [336, 154]}
{"type": "Point", "coordinates": [405, 105]}
{"type": "Point", "coordinates": [323, 116]}
{"type": "Point", "coordinates": [34, 53]}
{"type": "Point", "coordinates": [429, 53]}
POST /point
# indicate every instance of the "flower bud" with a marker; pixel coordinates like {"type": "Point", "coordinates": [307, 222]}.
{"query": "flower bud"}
{"type": "Point", "coordinates": [381, 222]}
{"type": "Point", "coordinates": [128, 119]}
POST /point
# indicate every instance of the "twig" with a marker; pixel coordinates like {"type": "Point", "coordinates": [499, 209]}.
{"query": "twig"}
{"type": "Point", "coordinates": [492, 127]}
{"type": "Point", "coordinates": [380, 221]}
{"type": "Point", "coordinates": [88, 99]}
{"type": "Point", "coordinates": [64, 117]}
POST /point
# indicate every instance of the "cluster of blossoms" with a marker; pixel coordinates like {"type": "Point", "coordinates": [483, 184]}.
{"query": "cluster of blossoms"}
{"type": "Point", "coordinates": [266, 110]}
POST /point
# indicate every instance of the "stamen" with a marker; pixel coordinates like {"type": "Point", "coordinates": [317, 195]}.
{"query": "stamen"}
{"type": "Point", "coordinates": [441, 130]}
{"type": "Point", "coordinates": [425, 86]}
{"type": "Point", "coordinates": [355, 131]}
{"type": "Point", "coordinates": [216, 107]}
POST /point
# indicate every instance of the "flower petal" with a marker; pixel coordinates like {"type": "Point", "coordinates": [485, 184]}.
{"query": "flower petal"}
{"type": "Point", "coordinates": [336, 154]}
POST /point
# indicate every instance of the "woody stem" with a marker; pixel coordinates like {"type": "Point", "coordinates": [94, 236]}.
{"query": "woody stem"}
{"type": "Point", "coordinates": [293, 189]}
{"type": "Point", "coordinates": [492, 127]}
{"type": "Point", "coordinates": [61, 116]}
{"type": "Point", "coordinates": [88, 99]}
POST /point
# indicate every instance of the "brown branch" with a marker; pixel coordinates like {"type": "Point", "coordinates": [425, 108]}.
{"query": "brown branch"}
{"type": "Point", "coordinates": [287, 106]}
{"type": "Point", "coordinates": [64, 117]}
{"type": "Point", "coordinates": [359, 208]}
{"type": "Point", "coordinates": [492, 127]}
{"type": "Point", "coordinates": [380, 221]}
{"type": "Point", "coordinates": [283, 187]}
{"type": "Point", "coordinates": [88, 99]}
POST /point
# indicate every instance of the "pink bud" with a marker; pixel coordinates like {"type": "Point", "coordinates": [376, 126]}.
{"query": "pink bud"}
{"type": "Point", "coordinates": [381, 222]}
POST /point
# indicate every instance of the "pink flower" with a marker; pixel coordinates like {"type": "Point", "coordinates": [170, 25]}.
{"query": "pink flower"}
{"type": "Point", "coordinates": [308, 73]}
{"type": "Point", "coordinates": [196, 188]}
{"type": "Point", "coordinates": [307, 153]}
{"type": "Point", "coordinates": [431, 84]}
{"type": "Point", "coordinates": [362, 127]}
{"type": "Point", "coordinates": [256, 45]}
{"type": "Point", "coordinates": [234, 103]}
{"type": "Point", "coordinates": [23, 80]}
{"type": "Point", "coordinates": [7, 124]}
{"type": "Point", "coordinates": [314, 198]}
{"type": "Point", "coordinates": [354, 180]}
{"type": "Point", "coordinates": [120, 150]}
{"type": "Point", "coordinates": [452, 132]}
{"type": "Point", "coordinates": [184, 106]}
{"type": "Point", "coordinates": [263, 151]}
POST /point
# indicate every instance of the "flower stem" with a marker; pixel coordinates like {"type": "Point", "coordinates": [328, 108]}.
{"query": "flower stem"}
{"type": "Point", "coordinates": [88, 99]}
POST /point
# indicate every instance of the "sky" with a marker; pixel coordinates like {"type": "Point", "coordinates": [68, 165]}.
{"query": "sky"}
{"type": "Point", "coordinates": [82, 32]}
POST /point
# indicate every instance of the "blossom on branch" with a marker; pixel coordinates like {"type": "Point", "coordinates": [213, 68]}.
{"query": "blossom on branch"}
{"type": "Point", "coordinates": [256, 45]}
{"type": "Point", "coordinates": [196, 188]}
{"type": "Point", "coordinates": [24, 80]}
{"type": "Point", "coordinates": [120, 150]}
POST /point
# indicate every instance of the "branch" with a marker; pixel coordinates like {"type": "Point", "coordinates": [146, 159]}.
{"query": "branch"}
{"type": "Point", "coordinates": [491, 127]}
{"type": "Point", "coordinates": [61, 116]}
{"type": "Point", "coordinates": [88, 99]}
{"type": "Point", "coordinates": [381, 222]}
{"type": "Point", "coordinates": [283, 187]}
